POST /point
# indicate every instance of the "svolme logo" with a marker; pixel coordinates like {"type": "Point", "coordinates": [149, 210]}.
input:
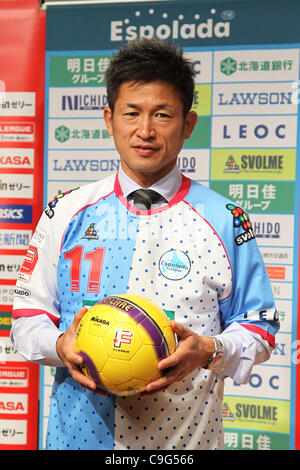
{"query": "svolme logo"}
{"type": "Point", "coordinates": [147, 24]}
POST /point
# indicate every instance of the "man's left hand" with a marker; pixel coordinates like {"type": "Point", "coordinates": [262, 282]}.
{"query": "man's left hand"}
{"type": "Point", "coordinates": [193, 351]}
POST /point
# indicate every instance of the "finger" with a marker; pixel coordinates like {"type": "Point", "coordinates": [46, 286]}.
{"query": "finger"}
{"type": "Point", "coordinates": [75, 358]}
{"type": "Point", "coordinates": [100, 392]}
{"type": "Point", "coordinates": [82, 379]}
{"type": "Point", "coordinates": [180, 330]}
{"type": "Point", "coordinates": [170, 361]}
{"type": "Point", "coordinates": [164, 381]}
{"type": "Point", "coordinates": [147, 394]}
{"type": "Point", "coordinates": [85, 381]}
{"type": "Point", "coordinates": [78, 316]}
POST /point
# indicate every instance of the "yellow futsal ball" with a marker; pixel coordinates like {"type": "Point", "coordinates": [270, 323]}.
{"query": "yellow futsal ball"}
{"type": "Point", "coordinates": [121, 339]}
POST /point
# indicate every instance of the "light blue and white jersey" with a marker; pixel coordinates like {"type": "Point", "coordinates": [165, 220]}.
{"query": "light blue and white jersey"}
{"type": "Point", "coordinates": [196, 257]}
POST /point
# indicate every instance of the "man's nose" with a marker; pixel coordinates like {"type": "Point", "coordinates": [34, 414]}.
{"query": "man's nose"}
{"type": "Point", "coordinates": [146, 128]}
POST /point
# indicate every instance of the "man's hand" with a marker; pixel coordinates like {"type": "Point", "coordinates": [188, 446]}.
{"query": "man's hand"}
{"type": "Point", "coordinates": [65, 350]}
{"type": "Point", "coordinates": [193, 351]}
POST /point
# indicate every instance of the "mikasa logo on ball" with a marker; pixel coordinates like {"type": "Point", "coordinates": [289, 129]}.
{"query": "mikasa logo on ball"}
{"type": "Point", "coordinates": [174, 265]}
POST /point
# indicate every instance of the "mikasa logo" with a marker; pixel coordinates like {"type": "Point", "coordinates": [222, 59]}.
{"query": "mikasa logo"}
{"type": "Point", "coordinates": [170, 28]}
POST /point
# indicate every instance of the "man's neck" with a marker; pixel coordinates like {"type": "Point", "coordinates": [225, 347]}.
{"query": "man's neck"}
{"type": "Point", "coordinates": [145, 180]}
{"type": "Point", "coordinates": [166, 186]}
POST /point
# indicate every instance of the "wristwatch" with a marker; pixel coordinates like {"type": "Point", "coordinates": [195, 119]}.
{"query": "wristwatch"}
{"type": "Point", "coordinates": [217, 355]}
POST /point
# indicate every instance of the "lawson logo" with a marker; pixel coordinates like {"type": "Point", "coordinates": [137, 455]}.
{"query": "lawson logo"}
{"type": "Point", "coordinates": [16, 214]}
{"type": "Point", "coordinates": [168, 27]}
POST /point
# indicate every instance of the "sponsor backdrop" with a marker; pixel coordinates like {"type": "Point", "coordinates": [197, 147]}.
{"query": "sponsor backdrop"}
{"type": "Point", "coordinates": [245, 55]}
{"type": "Point", "coordinates": [22, 49]}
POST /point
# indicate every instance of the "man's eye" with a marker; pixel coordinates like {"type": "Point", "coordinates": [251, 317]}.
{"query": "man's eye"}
{"type": "Point", "coordinates": [163, 115]}
{"type": "Point", "coordinates": [131, 114]}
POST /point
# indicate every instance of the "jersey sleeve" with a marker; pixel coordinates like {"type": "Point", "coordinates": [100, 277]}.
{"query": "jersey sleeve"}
{"type": "Point", "coordinates": [36, 288]}
{"type": "Point", "coordinates": [251, 302]}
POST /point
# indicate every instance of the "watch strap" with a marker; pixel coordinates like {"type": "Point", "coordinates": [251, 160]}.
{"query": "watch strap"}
{"type": "Point", "coordinates": [217, 355]}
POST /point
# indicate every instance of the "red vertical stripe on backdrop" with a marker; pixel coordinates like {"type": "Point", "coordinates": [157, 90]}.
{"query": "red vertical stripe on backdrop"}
{"type": "Point", "coordinates": [297, 401]}
{"type": "Point", "coordinates": [22, 65]}
{"type": "Point", "coordinates": [22, 69]}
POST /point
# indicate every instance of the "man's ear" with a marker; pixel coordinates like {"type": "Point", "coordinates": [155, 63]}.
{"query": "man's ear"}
{"type": "Point", "coordinates": [190, 123]}
{"type": "Point", "coordinates": [107, 114]}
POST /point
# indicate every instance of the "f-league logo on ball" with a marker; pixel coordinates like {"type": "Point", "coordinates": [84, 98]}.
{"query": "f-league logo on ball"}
{"type": "Point", "coordinates": [122, 337]}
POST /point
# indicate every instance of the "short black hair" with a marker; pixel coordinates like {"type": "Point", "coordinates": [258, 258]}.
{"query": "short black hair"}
{"type": "Point", "coordinates": [147, 60]}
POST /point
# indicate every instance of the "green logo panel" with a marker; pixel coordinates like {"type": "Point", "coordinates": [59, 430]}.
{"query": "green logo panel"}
{"type": "Point", "coordinates": [202, 100]}
{"type": "Point", "coordinates": [5, 320]}
{"type": "Point", "coordinates": [249, 440]}
{"type": "Point", "coordinates": [260, 197]}
{"type": "Point", "coordinates": [200, 137]}
{"type": "Point", "coordinates": [78, 70]}
{"type": "Point", "coordinates": [253, 164]}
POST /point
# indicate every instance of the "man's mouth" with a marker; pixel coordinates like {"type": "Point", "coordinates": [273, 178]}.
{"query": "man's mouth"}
{"type": "Point", "coordinates": [145, 150]}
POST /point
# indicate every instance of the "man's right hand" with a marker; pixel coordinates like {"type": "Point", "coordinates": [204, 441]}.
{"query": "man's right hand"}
{"type": "Point", "coordinates": [65, 349]}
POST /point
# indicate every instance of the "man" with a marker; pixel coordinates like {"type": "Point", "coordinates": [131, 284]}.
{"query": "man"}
{"type": "Point", "coordinates": [225, 318]}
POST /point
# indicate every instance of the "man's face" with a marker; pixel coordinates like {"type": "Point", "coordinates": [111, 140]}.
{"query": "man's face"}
{"type": "Point", "coordinates": [149, 129]}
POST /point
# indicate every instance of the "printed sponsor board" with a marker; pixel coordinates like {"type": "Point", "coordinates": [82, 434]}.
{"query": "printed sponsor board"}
{"type": "Point", "coordinates": [78, 70]}
{"type": "Point", "coordinates": [201, 65]}
{"type": "Point", "coordinates": [202, 100]}
{"type": "Point", "coordinates": [79, 134]}
{"type": "Point", "coordinates": [14, 239]}
{"type": "Point", "coordinates": [5, 320]}
{"type": "Point", "coordinates": [256, 413]}
{"type": "Point", "coordinates": [10, 266]}
{"type": "Point", "coordinates": [13, 432]}
{"type": "Point", "coordinates": [244, 146]}
{"type": "Point", "coordinates": [95, 164]}
{"type": "Point", "coordinates": [17, 104]}
{"type": "Point", "coordinates": [200, 138]}
{"type": "Point", "coordinates": [280, 273]}
{"type": "Point", "coordinates": [282, 290]}
{"type": "Point", "coordinates": [285, 311]}
{"type": "Point", "coordinates": [16, 158]}
{"type": "Point", "coordinates": [6, 294]}
{"type": "Point", "coordinates": [82, 165]}
{"type": "Point", "coordinates": [17, 131]}
{"type": "Point", "coordinates": [77, 102]}
{"type": "Point", "coordinates": [253, 164]}
{"type": "Point", "coordinates": [15, 213]}
{"type": "Point", "coordinates": [254, 98]}
{"type": "Point", "coordinates": [278, 255]}
{"type": "Point", "coordinates": [273, 229]}
{"type": "Point", "coordinates": [254, 131]}
{"type": "Point", "coordinates": [194, 163]}
{"type": "Point", "coordinates": [14, 377]}
{"type": "Point", "coordinates": [281, 356]}
{"type": "Point", "coordinates": [264, 197]}
{"type": "Point", "coordinates": [13, 403]}
{"type": "Point", "coordinates": [251, 440]}
{"type": "Point", "coordinates": [8, 353]}
{"type": "Point", "coordinates": [16, 186]}
{"type": "Point", "coordinates": [256, 65]}
{"type": "Point", "coordinates": [264, 381]}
